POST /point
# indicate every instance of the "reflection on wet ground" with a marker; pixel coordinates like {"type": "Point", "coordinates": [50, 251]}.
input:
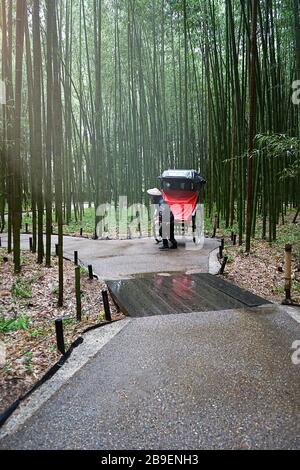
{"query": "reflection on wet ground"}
{"type": "Point", "coordinates": [165, 294]}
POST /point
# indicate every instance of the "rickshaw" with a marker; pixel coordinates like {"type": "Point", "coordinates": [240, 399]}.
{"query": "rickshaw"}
{"type": "Point", "coordinates": [181, 190]}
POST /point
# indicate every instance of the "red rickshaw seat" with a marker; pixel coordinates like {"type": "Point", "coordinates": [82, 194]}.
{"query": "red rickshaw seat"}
{"type": "Point", "coordinates": [183, 204]}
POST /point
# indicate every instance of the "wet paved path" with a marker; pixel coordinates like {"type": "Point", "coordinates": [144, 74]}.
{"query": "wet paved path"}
{"type": "Point", "coordinates": [211, 380]}
{"type": "Point", "coordinates": [116, 259]}
{"type": "Point", "coordinates": [217, 380]}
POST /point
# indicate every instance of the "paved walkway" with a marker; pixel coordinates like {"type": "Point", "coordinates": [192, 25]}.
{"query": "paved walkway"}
{"type": "Point", "coordinates": [207, 380]}
{"type": "Point", "coordinates": [115, 259]}
{"type": "Point", "coordinates": [195, 381]}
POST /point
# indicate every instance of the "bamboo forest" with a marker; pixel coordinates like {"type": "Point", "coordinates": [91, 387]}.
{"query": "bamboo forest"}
{"type": "Point", "coordinates": [102, 100]}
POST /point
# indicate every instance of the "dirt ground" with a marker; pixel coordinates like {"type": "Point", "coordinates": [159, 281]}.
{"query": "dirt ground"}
{"type": "Point", "coordinates": [28, 310]}
{"type": "Point", "coordinates": [262, 271]}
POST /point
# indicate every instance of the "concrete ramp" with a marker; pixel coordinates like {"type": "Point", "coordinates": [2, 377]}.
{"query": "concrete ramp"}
{"type": "Point", "coordinates": [166, 294]}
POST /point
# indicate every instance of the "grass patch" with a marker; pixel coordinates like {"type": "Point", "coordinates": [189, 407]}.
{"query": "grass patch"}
{"type": "Point", "coordinates": [55, 291]}
{"type": "Point", "coordinates": [230, 258]}
{"type": "Point", "coordinates": [69, 321]}
{"type": "Point", "coordinates": [37, 332]}
{"type": "Point", "coordinates": [84, 271]}
{"type": "Point", "coordinates": [87, 223]}
{"type": "Point", "coordinates": [8, 326]}
{"type": "Point", "coordinates": [22, 289]}
{"type": "Point", "coordinates": [278, 290]}
{"type": "Point", "coordinates": [28, 361]}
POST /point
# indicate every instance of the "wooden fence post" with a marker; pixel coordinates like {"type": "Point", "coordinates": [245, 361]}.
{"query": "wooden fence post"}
{"type": "Point", "coordinates": [59, 329]}
{"type": "Point", "coordinates": [288, 274]}
{"type": "Point", "coordinates": [91, 272]}
{"type": "Point", "coordinates": [221, 249]}
{"type": "Point", "coordinates": [106, 306]}
{"type": "Point", "coordinates": [222, 270]}
{"type": "Point", "coordinates": [78, 293]}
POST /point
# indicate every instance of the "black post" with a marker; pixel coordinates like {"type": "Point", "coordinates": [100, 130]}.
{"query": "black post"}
{"type": "Point", "coordinates": [26, 228]}
{"type": "Point", "coordinates": [81, 232]}
{"type": "Point", "coordinates": [224, 265]}
{"type": "Point", "coordinates": [234, 240]}
{"type": "Point", "coordinates": [91, 272]}
{"type": "Point", "coordinates": [30, 244]}
{"type": "Point", "coordinates": [106, 306]}
{"type": "Point", "coordinates": [57, 249]}
{"type": "Point", "coordinates": [76, 258]}
{"type": "Point", "coordinates": [288, 274]}
{"type": "Point", "coordinates": [78, 293]}
{"type": "Point", "coordinates": [59, 328]}
{"type": "Point", "coordinates": [222, 248]}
